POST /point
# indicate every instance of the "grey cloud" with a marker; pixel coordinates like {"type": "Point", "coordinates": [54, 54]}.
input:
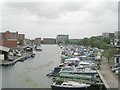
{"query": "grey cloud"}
{"type": "Point", "coordinates": [72, 6]}
{"type": "Point", "coordinates": [53, 10]}
{"type": "Point", "coordinates": [69, 17]}
{"type": "Point", "coordinates": [41, 9]}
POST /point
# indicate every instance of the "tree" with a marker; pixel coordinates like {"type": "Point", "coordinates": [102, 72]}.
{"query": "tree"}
{"type": "Point", "coordinates": [109, 53]}
{"type": "Point", "coordinates": [107, 40]}
{"type": "Point", "coordinates": [85, 41]}
{"type": "Point", "coordinates": [20, 42]}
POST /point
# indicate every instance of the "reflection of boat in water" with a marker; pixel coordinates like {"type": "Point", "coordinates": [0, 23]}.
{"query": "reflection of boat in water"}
{"type": "Point", "coordinates": [38, 48]}
{"type": "Point", "coordinates": [69, 85]}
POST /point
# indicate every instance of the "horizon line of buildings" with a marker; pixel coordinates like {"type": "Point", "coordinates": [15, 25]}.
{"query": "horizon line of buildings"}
{"type": "Point", "coordinates": [115, 35]}
{"type": "Point", "coordinates": [14, 39]}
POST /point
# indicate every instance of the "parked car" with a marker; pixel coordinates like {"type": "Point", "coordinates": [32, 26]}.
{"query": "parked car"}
{"type": "Point", "coordinates": [116, 65]}
{"type": "Point", "coordinates": [114, 69]}
{"type": "Point", "coordinates": [117, 71]}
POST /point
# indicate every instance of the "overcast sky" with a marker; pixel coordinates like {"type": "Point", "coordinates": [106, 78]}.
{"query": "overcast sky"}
{"type": "Point", "coordinates": [49, 18]}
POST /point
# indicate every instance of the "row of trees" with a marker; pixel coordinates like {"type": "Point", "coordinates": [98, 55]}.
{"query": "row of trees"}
{"type": "Point", "coordinates": [96, 41]}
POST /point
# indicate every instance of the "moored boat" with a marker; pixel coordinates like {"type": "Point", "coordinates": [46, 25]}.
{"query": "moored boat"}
{"type": "Point", "coordinates": [54, 72]}
{"type": "Point", "coordinates": [77, 70]}
{"type": "Point", "coordinates": [69, 85]}
{"type": "Point", "coordinates": [76, 76]}
{"type": "Point", "coordinates": [38, 48]}
{"type": "Point", "coordinates": [33, 54]}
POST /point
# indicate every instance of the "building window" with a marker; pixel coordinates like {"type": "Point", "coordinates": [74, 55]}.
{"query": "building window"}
{"type": "Point", "coordinates": [117, 60]}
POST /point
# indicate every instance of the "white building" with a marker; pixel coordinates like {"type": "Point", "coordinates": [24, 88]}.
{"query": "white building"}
{"type": "Point", "coordinates": [61, 38]}
{"type": "Point", "coordinates": [4, 53]}
{"type": "Point", "coordinates": [117, 58]}
{"type": "Point", "coordinates": [117, 47]}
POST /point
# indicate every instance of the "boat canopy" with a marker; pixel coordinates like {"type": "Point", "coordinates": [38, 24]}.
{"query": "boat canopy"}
{"type": "Point", "coordinates": [84, 63]}
{"type": "Point", "coordinates": [72, 59]}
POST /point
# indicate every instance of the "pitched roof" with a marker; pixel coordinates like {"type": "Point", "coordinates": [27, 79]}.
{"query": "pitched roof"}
{"type": "Point", "coordinates": [6, 49]}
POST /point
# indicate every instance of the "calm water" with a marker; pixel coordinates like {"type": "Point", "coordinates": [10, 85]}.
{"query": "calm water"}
{"type": "Point", "coordinates": [32, 73]}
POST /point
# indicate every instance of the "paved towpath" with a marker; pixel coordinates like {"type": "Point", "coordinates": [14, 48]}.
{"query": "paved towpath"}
{"type": "Point", "coordinates": [110, 77]}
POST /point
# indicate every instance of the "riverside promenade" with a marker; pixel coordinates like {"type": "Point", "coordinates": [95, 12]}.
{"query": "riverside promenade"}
{"type": "Point", "coordinates": [108, 77]}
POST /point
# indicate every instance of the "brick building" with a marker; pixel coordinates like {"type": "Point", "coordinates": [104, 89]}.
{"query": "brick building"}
{"type": "Point", "coordinates": [49, 41]}
{"type": "Point", "coordinates": [10, 39]}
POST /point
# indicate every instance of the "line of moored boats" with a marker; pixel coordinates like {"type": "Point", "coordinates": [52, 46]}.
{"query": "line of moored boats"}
{"type": "Point", "coordinates": [30, 53]}
{"type": "Point", "coordinates": [77, 69]}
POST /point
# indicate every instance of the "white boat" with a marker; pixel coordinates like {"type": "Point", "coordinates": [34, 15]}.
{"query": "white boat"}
{"type": "Point", "coordinates": [70, 85]}
{"type": "Point", "coordinates": [78, 70]}
{"type": "Point", "coordinates": [38, 48]}
{"type": "Point", "coordinates": [71, 60]}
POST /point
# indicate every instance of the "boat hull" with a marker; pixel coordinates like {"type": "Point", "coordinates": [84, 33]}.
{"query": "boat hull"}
{"type": "Point", "coordinates": [68, 88]}
{"type": "Point", "coordinates": [38, 49]}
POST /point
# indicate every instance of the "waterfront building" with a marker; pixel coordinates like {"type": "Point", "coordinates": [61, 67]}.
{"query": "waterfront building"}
{"type": "Point", "coordinates": [61, 38]}
{"type": "Point", "coordinates": [4, 53]}
{"type": "Point", "coordinates": [27, 42]}
{"type": "Point", "coordinates": [49, 41]}
{"type": "Point", "coordinates": [117, 34]}
{"type": "Point", "coordinates": [117, 47]}
{"type": "Point", "coordinates": [108, 35]}
{"type": "Point", "coordinates": [11, 39]}
{"type": "Point", "coordinates": [37, 41]}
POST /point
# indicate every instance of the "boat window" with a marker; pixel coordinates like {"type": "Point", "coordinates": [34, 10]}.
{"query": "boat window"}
{"type": "Point", "coordinates": [69, 84]}
{"type": "Point", "coordinates": [67, 69]}
{"type": "Point", "coordinates": [59, 83]}
{"type": "Point", "coordinates": [64, 84]}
